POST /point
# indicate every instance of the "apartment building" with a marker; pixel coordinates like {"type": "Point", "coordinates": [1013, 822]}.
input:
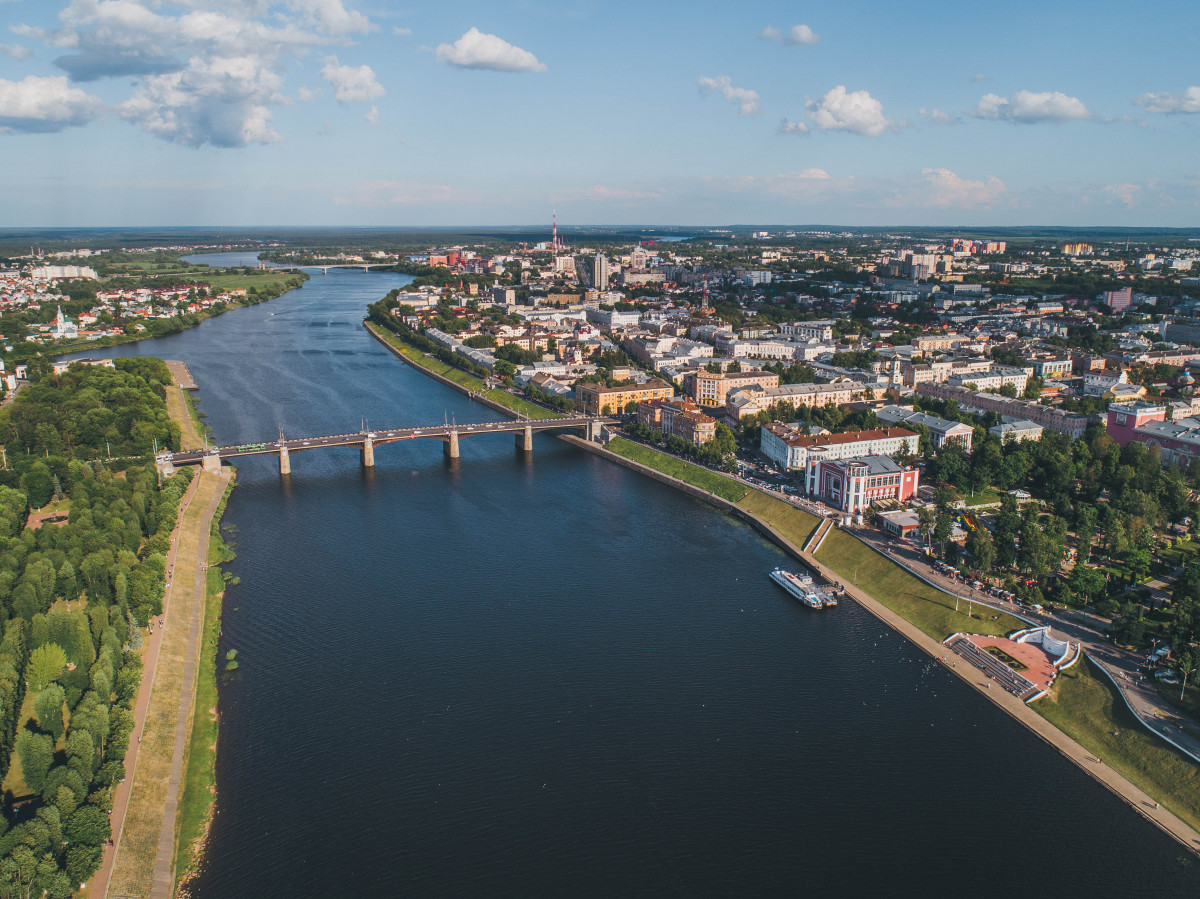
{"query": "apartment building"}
{"type": "Point", "coordinates": [1069, 423]}
{"type": "Point", "coordinates": [751, 400]}
{"type": "Point", "coordinates": [678, 418]}
{"type": "Point", "coordinates": [712, 389]}
{"type": "Point", "coordinates": [596, 399]}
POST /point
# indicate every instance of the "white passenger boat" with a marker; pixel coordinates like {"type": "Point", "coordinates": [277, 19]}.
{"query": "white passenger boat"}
{"type": "Point", "coordinates": [800, 587]}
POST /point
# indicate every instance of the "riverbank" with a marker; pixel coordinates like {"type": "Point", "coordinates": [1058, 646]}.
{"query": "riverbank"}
{"type": "Point", "coordinates": [464, 382]}
{"type": "Point", "coordinates": [913, 608]}
{"type": "Point", "coordinates": [1178, 814]}
{"type": "Point", "coordinates": [183, 322]}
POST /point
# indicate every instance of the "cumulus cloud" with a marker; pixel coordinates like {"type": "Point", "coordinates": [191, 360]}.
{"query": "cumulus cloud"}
{"type": "Point", "coordinates": [854, 111]}
{"type": "Point", "coordinates": [402, 32]}
{"type": "Point", "coordinates": [788, 127]}
{"type": "Point", "coordinates": [202, 72]}
{"type": "Point", "coordinates": [16, 51]}
{"type": "Point", "coordinates": [744, 99]}
{"type": "Point", "coordinates": [307, 95]}
{"type": "Point", "coordinates": [942, 187]}
{"type": "Point", "coordinates": [351, 84]}
{"type": "Point", "coordinates": [1031, 107]}
{"type": "Point", "coordinates": [223, 102]}
{"type": "Point", "coordinates": [1186, 101]}
{"type": "Point", "coordinates": [372, 117]}
{"type": "Point", "coordinates": [796, 36]}
{"type": "Point", "coordinates": [476, 50]}
{"type": "Point", "coordinates": [44, 104]}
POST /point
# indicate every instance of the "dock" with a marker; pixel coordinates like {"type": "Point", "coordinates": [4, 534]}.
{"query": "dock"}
{"type": "Point", "coordinates": [182, 375]}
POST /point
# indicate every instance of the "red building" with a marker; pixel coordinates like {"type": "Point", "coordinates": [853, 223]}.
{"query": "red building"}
{"type": "Point", "coordinates": [853, 485]}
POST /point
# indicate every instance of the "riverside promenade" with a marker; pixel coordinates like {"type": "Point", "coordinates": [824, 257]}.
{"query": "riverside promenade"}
{"type": "Point", "coordinates": [140, 864]}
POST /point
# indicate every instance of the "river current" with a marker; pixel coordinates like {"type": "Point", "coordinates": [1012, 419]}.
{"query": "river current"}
{"type": "Point", "coordinates": [550, 676]}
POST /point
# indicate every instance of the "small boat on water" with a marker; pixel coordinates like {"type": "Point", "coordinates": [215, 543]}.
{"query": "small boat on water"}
{"type": "Point", "coordinates": [801, 588]}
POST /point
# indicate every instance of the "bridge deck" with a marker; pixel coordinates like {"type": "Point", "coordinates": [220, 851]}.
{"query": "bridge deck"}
{"type": "Point", "coordinates": [382, 436]}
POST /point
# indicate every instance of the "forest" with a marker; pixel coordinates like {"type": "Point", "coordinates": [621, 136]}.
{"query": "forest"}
{"type": "Point", "coordinates": [75, 595]}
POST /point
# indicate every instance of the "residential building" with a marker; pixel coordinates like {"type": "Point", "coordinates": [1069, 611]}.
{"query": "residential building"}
{"type": "Point", "coordinates": [1018, 431]}
{"type": "Point", "coordinates": [678, 418]}
{"type": "Point", "coordinates": [1069, 423]}
{"type": "Point", "coordinates": [746, 401]}
{"type": "Point", "coordinates": [712, 389]}
{"type": "Point", "coordinates": [941, 430]}
{"type": "Point", "coordinates": [1053, 368]}
{"type": "Point", "coordinates": [815, 330]}
{"type": "Point", "coordinates": [596, 399]}
{"type": "Point", "coordinates": [1119, 300]}
{"type": "Point", "coordinates": [793, 450]}
{"type": "Point", "coordinates": [600, 271]}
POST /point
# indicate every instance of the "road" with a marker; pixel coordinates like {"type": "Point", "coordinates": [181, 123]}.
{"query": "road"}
{"type": "Point", "coordinates": [388, 436]}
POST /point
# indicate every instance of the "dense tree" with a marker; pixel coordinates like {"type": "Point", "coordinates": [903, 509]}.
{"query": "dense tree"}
{"type": "Point", "coordinates": [46, 663]}
{"type": "Point", "coordinates": [48, 707]}
{"type": "Point", "coordinates": [36, 752]}
{"type": "Point", "coordinates": [982, 549]}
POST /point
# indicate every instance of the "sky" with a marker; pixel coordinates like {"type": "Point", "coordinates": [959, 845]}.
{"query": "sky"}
{"type": "Point", "coordinates": [371, 112]}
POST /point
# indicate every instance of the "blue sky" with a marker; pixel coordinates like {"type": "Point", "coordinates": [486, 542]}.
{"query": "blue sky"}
{"type": "Point", "coordinates": [363, 112]}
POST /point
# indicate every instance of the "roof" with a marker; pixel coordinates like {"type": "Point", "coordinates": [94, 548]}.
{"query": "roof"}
{"type": "Point", "coordinates": [874, 464]}
{"type": "Point", "coordinates": [912, 417]}
{"type": "Point", "coordinates": [812, 441]}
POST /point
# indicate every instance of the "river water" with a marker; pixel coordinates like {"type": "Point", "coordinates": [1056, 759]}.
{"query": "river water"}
{"type": "Point", "coordinates": [551, 676]}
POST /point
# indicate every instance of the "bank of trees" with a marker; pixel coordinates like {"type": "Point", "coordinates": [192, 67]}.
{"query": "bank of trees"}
{"type": "Point", "coordinates": [72, 598]}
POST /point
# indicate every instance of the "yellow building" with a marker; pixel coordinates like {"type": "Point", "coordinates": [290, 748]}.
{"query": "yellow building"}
{"type": "Point", "coordinates": [712, 389]}
{"type": "Point", "coordinates": [596, 399]}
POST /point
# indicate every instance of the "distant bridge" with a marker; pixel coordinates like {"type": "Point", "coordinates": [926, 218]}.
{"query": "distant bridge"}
{"type": "Point", "coordinates": [365, 266]}
{"type": "Point", "coordinates": [367, 440]}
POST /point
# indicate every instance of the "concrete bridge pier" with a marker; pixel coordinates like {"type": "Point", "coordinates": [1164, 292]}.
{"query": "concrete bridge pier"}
{"type": "Point", "coordinates": [211, 463]}
{"type": "Point", "coordinates": [368, 453]}
{"type": "Point", "coordinates": [165, 469]}
{"type": "Point", "coordinates": [450, 447]}
{"type": "Point", "coordinates": [525, 439]}
{"type": "Point", "coordinates": [285, 462]}
{"type": "Point", "coordinates": [593, 431]}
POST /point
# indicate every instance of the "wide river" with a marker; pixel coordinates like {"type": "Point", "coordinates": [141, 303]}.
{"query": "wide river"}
{"type": "Point", "coordinates": [554, 677]}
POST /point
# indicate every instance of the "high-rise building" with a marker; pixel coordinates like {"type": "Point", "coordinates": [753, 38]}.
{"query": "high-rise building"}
{"type": "Point", "coordinates": [1119, 300]}
{"type": "Point", "coordinates": [600, 271]}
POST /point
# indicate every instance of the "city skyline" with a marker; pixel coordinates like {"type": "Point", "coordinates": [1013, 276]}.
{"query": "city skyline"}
{"type": "Point", "coordinates": [307, 112]}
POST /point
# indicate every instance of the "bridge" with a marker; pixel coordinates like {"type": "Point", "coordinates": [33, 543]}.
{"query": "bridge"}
{"type": "Point", "coordinates": [365, 266]}
{"type": "Point", "coordinates": [366, 441]}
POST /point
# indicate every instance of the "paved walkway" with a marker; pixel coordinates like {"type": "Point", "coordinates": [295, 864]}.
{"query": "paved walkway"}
{"type": "Point", "coordinates": [145, 804]}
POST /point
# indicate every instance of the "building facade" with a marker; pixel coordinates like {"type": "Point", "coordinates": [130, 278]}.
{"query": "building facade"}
{"type": "Point", "coordinates": [596, 399]}
{"type": "Point", "coordinates": [712, 389]}
{"type": "Point", "coordinates": [854, 485]}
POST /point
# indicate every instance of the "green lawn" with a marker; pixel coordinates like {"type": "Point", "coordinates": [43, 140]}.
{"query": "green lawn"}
{"type": "Point", "coordinates": [1190, 704]}
{"type": "Point", "coordinates": [726, 488]}
{"type": "Point", "coordinates": [986, 495]}
{"type": "Point", "coordinates": [1178, 555]}
{"type": "Point", "coordinates": [524, 407]}
{"type": "Point", "coordinates": [1086, 707]}
{"type": "Point", "coordinates": [795, 524]}
{"type": "Point", "coordinates": [926, 607]}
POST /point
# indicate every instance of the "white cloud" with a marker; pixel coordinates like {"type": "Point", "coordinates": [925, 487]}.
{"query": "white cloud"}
{"type": "Point", "coordinates": [796, 36]}
{"type": "Point", "coordinates": [224, 102]}
{"type": "Point", "coordinates": [202, 72]}
{"type": "Point", "coordinates": [1031, 107]}
{"type": "Point", "coordinates": [351, 84]}
{"type": "Point", "coordinates": [372, 117]}
{"type": "Point", "coordinates": [787, 127]}
{"type": "Point", "coordinates": [401, 32]}
{"type": "Point", "coordinates": [476, 50]}
{"type": "Point", "coordinates": [744, 99]}
{"type": "Point", "coordinates": [1186, 101]}
{"type": "Point", "coordinates": [854, 111]}
{"type": "Point", "coordinates": [44, 104]}
{"type": "Point", "coordinates": [307, 95]}
{"type": "Point", "coordinates": [16, 51]}
{"type": "Point", "coordinates": [937, 117]}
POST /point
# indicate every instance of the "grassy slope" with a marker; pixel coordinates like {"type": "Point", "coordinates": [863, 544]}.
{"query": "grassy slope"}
{"type": "Point", "coordinates": [726, 488]}
{"type": "Point", "coordinates": [795, 524]}
{"type": "Point", "coordinates": [458, 376]}
{"type": "Point", "coordinates": [1086, 707]}
{"type": "Point", "coordinates": [929, 609]}
{"type": "Point", "coordinates": [198, 790]}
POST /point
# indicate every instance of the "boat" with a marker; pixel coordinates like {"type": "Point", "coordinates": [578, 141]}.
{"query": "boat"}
{"type": "Point", "coordinates": [800, 587]}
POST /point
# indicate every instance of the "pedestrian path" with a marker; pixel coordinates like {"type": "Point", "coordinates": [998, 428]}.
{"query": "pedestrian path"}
{"type": "Point", "coordinates": [144, 834]}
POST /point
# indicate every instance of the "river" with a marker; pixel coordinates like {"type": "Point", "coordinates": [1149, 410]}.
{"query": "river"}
{"type": "Point", "coordinates": [552, 676]}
